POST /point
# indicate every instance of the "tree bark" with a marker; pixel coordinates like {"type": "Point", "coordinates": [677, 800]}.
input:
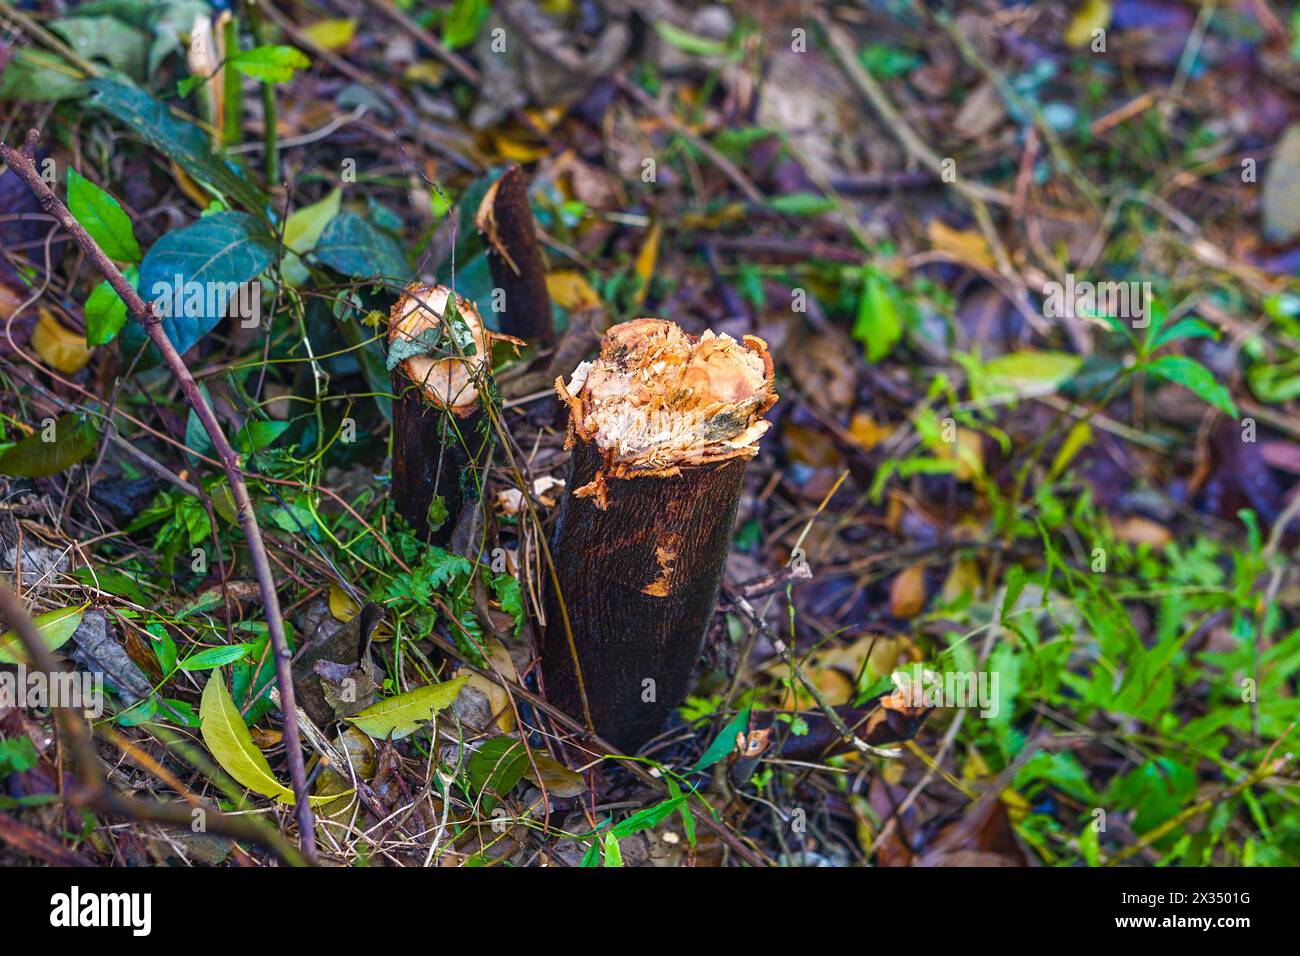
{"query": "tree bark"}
{"type": "Point", "coordinates": [430, 454]}
{"type": "Point", "coordinates": [639, 581]}
{"type": "Point", "coordinates": [640, 542]}
{"type": "Point", "coordinates": [437, 420]}
{"type": "Point", "coordinates": [514, 255]}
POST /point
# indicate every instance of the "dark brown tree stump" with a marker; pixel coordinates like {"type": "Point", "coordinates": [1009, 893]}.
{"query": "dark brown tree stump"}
{"type": "Point", "coordinates": [437, 419]}
{"type": "Point", "coordinates": [660, 426]}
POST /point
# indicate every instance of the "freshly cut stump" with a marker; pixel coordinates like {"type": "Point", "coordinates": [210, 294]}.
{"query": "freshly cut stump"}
{"type": "Point", "coordinates": [660, 426]}
{"type": "Point", "coordinates": [437, 420]}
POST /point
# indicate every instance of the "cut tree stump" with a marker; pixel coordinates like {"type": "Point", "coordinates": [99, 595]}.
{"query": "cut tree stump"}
{"type": "Point", "coordinates": [660, 426]}
{"type": "Point", "coordinates": [437, 421]}
{"type": "Point", "coordinates": [514, 256]}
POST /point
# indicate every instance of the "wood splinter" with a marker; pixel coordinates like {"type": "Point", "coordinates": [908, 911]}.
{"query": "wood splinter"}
{"type": "Point", "coordinates": [438, 362]}
{"type": "Point", "coordinates": [660, 427]}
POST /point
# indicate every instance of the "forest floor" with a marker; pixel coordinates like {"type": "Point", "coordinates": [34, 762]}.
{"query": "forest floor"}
{"type": "Point", "coordinates": [1027, 275]}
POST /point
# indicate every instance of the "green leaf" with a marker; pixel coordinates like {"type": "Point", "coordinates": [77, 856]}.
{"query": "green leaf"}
{"type": "Point", "coordinates": [213, 256]}
{"type": "Point", "coordinates": [886, 61]}
{"type": "Point", "coordinates": [105, 311]}
{"type": "Point", "coordinates": [684, 809]}
{"type": "Point", "coordinates": [1192, 375]}
{"type": "Point", "coordinates": [270, 64]}
{"type": "Point", "coordinates": [801, 204]}
{"type": "Point", "coordinates": [17, 755]}
{"type": "Point", "coordinates": [102, 217]}
{"type": "Point", "coordinates": [232, 746]}
{"type": "Point", "coordinates": [689, 42]}
{"type": "Point", "coordinates": [648, 818]}
{"type": "Point", "coordinates": [176, 139]}
{"type": "Point", "coordinates": [34, 76]}
{"type": "Point", "coordinates": [1157, 790]}
{"type": "Point", "coordinates": [1029, 370]}
{"type": "Point", "coordinates": [402, 715]}
{"type": "Point", "coordinates": [1275, 382]}
{"type": "Point", "coordinates": [498, 765]}
{"type": "Point", "coordinates": [878, 325]}
{"type": "Point", "coordinates": [170, 22]}
{"type": "Point", "coordinates": [108, 39]}
{"type": "Point", "coordinates": [259, 433]}
{"type": "Point", "coordinates": [356, 248]}
{"type": "Point", "coordinates": [425, 342]}
{"type": "Point", "coordinates": [1192, 328]}
{"type": "Point", "coordinates": [55, 627]}
{"type": "Point", "coordinates": [214, 657]}
{"type": "Point", "coordinates": [463, 21]}
{"type": "Point", "coordinates": [73, 439]}
{"type": "Point", "coordinates": [510, 596]}
{"type": "Point", "coordinates": [724, 743]}
{"type": "Point", "coordinates": [613, 853]}
{"type": "Point", "coordinates": [111, 581]}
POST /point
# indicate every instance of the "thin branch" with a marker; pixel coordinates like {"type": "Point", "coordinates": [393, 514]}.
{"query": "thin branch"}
{"type": "Point", "coordinates": [22, 165]}
{"type": "Point", "coordinates": [93, 791]}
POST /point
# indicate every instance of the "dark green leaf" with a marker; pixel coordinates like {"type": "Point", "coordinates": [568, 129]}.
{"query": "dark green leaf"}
{"type": "Point", "coordinates": [176, 139]}
{"type": "Point", "coordinates": [214, 256]}
{"type": "Point", "coordinates": [724, 743]}
{"type": "Point", "coordinates": [108, 39]}
{"type": "Point", "coordinates": [38, 77]}
{"type": "Point", "coordinates": [72, 439]}
{"type": "Point", "coordinates": [498, 765]}
{"type": "Point", "coordinates": [356, 248]}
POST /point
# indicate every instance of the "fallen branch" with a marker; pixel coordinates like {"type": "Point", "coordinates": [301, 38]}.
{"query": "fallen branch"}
{"type": "Point", "coordinates": [22, 165]}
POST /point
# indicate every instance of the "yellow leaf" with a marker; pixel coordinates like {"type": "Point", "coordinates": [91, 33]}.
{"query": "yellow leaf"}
{"type": "Point", "coordinates": [645, 261]}
{"type": "Point", "coordinates": [497, 697]}
{"type": "Point", "coordinates": [546, 117]}
{"type": "Point", "coordinates": [1017, 806]}
{"type": "Point", "coordinates": [1091, 15]}
{"type": "Point", "coordinates": [864, 431]}
{"type": "Point", "coordinates": [714, 218]}
{"type": "Point", "coordinates": [60, 349]}
{"type": "Point", "coordinates": [232, 745]}
{"type": "Point", "coordinates": [570, 291]}
{"type": "Point", "coordinates": [189, 187]}
{"type": "Point", "coordinates": [963, 581]}
{"type": "Point", "coordinates": [341, 604]}
{"type": "Point", "coordinates": [425, 71]}
{"type": "Point", "coordinates": [967, 451]}
{"type": "Point", "coordinates": [397, 717]}
{"type": "Point", "coordinates": [907, 592]}
{"type": "Point", "coordinates": [519, 149]}
{"type": "Point", "coordinates": [1138, 530]}
{"type": "Point", "coordinates": [1078, 438]}
{"type": "Point", "coordinates": [331, 34]}
{"type": "Point", "coordinates": [345, 609]}
{"type": "Point", "coordinates": [303, 227]}
{"type": "Point", "coordinates": [302, 230]}
{"type": "Point", "coordinates": [967, 247]}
